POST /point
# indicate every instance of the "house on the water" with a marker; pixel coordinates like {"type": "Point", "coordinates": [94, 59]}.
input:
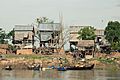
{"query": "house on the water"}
{"type": "Point", "coordinates": [50, 36]}
{"type": "Point", "coordinates": [23, 38]}
{"type": "Point", "coordinates": [99, 42]}
{"type": "Point", "coordinates": [74, 34]}
{"type": "Point", "coordinates": [86, 47]}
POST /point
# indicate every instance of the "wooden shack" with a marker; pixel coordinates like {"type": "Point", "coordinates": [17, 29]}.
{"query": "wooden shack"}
{"type": "Point", "coordinates": [24, 39]}
{"type": "Point", "coordinates": [88, 47]}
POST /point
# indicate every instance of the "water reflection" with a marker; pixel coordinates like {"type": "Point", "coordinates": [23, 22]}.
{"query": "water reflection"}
{"type": "Point", "coordinates": [60, 75]}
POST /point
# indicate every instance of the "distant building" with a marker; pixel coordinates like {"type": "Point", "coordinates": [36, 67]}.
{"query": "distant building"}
{"type": "Point", "coordinates": [100, 37]}
{"type": "Point", "coordinates": [24, 36]}
{"type": "Point", "coordinates": [50, 35]}
{"type": "Point", "coordinates": [100, 41]}
{"type": "Point", "coordinates": [74, 34]}
{"type": "Point", "coordinates": [87, 46]}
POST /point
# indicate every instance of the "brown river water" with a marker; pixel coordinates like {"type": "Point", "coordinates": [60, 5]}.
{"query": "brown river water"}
{"type": "Point", "coordinates": [60, 75]}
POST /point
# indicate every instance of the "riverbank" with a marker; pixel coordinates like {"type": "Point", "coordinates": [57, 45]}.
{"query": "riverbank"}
{"type": "Point", "coordinates": [107, 61]}
{"type": "Point", "coordinates": [21, 62]}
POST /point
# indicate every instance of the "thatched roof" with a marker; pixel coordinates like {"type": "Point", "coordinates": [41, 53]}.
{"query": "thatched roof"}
{"type": "Point", "coordinates": [85, 43]}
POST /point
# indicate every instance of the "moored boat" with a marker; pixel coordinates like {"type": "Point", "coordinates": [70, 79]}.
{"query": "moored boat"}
{"type": "Point", "coordinates": [61, 68]}
{"type": "Point", "coordinates": [87, 67]}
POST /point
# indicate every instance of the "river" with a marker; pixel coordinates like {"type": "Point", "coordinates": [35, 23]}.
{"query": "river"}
{"type": "Point", "coordinates": [60, 75]}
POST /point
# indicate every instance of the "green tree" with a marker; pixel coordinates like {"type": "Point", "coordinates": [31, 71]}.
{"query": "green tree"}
{"type": "Point", "coordinates": [2, 36]}
{"type": "Point", "coordinates": [43, 20]}
{"type": "Point", "coordinates": [10, 34]}
{"type": "Point", "coordinates": [112, 32]}
{"type": "Point", "coordinates": [87, 33]}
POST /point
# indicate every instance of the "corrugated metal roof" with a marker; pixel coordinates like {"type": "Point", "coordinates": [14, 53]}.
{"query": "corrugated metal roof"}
{"type": "Point", "coordinates": [23, 28]}
{"type": "Point", "coordinates": [45, 36]}
{"type": "Point", "coordinates": [50, 27]}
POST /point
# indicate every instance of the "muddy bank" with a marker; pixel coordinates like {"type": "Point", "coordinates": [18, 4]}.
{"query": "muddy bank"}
{"type": "Point", "coordinates": [21, 62]}
{"type": "Point", "coordinates": [107, 60]}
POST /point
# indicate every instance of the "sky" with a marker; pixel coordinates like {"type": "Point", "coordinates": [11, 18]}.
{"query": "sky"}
{"type": "Point", "coordinates": [95, 13]}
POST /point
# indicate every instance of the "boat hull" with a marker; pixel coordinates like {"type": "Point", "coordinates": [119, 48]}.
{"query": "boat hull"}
{"type": "Point", "coordinates": [61, 69]}
{"type": "Point", "coordinates": [81, 68]}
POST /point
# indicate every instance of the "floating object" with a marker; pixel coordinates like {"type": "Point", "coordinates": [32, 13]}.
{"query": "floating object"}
{"type": "Point", "coordinates": [89, 67]}
{"type": "Point", "coordinates": [61, 68]}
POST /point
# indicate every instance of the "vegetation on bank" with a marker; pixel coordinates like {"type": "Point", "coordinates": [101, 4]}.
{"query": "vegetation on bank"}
{"type": "Point", "coordinates": [109, 63]}
{"type": "Point", "coordinates": [48, 58]}
{"type": "Point", "coordinates": [28, 56]}
{"type": "Point", "coordinates": [87, 33]}
{"type": "Point", "coordinates": [112, 34]}
{"type": "Point", "coordinates": [106, 60]}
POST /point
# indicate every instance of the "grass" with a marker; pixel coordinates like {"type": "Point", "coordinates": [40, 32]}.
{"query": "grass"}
{"type": "Point", "coordinates": [27, 56]}
{"type": "Point", "coordinates": [106, 60]}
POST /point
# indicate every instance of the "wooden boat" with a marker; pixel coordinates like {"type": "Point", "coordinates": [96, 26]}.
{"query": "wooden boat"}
{"type": "Point", "coordinates": [89, 67]}
{"type": "Point", "coordinates": [61, 68]}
